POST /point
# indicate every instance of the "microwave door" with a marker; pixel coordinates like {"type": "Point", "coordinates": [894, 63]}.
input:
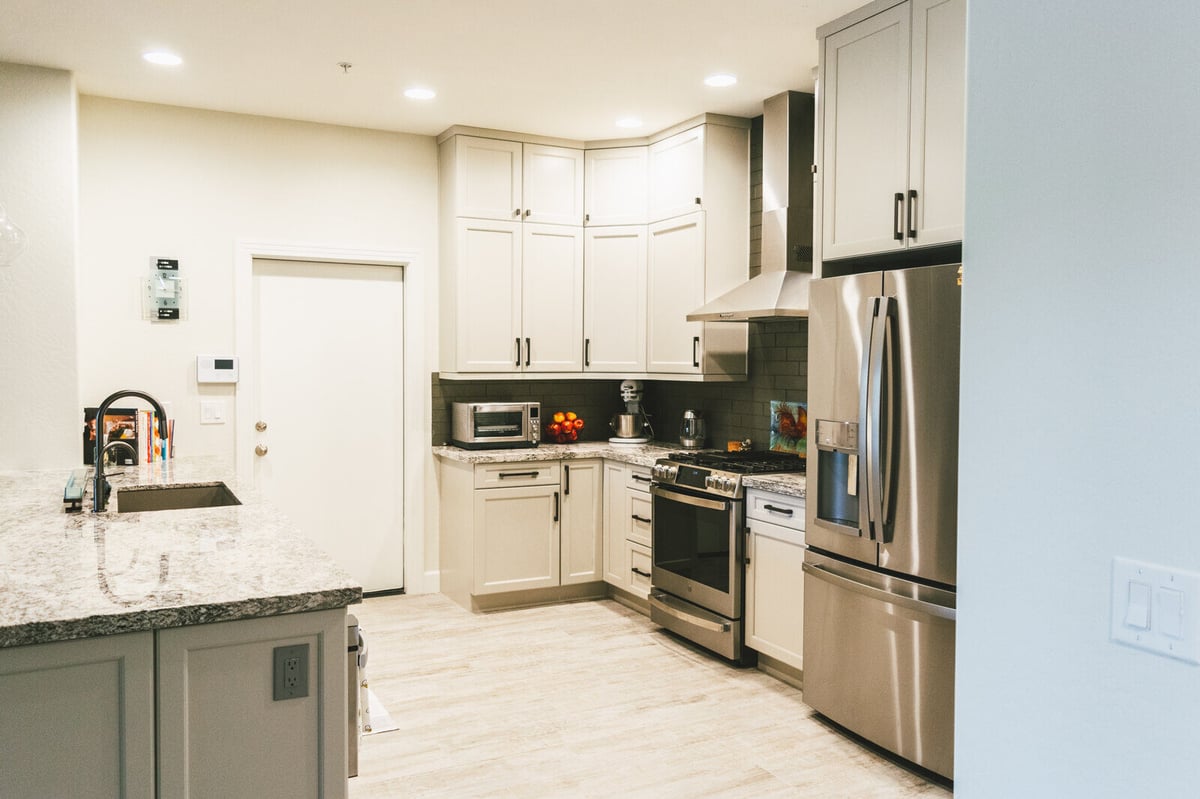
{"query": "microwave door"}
{"type": "Point", "coordinates": [840, 331]}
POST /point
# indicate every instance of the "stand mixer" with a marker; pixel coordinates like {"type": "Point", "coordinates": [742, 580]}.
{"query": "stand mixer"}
{"type": "Point", "coordinates": [633, 426]}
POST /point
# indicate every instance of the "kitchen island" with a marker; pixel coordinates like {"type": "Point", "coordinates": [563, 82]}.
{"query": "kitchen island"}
{"type": "Point", "coordinates": [137, 650]}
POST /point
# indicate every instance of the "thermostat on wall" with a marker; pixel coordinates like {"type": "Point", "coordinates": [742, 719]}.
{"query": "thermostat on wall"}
{"type": "Point", "coordinates": [216, 369]}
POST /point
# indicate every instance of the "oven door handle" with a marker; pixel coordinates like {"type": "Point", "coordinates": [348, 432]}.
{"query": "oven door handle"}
{"type": "Point", "coordinates": [688, 499]}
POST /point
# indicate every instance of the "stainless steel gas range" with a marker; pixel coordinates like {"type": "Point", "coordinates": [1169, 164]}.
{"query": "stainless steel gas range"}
{"type": "Point", "coordinates": [698, 532]}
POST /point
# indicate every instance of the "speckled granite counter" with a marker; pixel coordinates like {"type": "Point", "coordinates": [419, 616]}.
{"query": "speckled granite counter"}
{"type": "Point", "coordinates": [789, 484]}
{"type": "Point", "coordinates": [638, 454]}
{"type": "Point", "coordinates": [80, 575]}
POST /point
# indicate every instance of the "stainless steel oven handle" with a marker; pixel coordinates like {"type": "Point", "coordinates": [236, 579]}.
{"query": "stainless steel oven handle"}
{"type": "Point", "coordinates": [663, 602]}
{"type": "Point", "coordinates": [927, 608]}
{"type": "Point", "coordinates": [688, 499]}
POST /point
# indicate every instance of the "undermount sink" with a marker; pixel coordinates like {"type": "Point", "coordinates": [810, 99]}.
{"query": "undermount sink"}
{"type": "Point", "coordinates": [203, 495]}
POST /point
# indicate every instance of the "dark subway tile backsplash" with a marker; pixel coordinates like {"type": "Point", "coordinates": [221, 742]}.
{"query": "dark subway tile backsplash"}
{"type": "Point", "coordinates": [733, 411]}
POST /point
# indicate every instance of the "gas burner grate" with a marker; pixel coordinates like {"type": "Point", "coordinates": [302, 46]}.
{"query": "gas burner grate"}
{"type": "Point", "coordinates": [741, 462]}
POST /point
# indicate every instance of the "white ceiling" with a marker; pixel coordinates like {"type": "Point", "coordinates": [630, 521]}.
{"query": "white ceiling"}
{"type": "Point", "coordinates": [568, 68]}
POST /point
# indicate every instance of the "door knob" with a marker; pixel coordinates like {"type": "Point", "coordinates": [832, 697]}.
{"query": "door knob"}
{"type": "Point", "coordinates": [260, 426]}
{"type": "Point", "coordinates": [260, 450]}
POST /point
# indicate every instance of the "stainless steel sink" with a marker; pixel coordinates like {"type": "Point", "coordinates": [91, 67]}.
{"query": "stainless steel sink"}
{"type": "Point", "coordinates": [203, 495]}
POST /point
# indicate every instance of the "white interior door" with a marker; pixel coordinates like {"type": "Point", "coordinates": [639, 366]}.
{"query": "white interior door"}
{"type": "Point", "coordinates": [329, 341]}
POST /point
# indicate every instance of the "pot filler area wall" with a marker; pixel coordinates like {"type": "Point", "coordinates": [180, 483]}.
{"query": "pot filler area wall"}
{"type": "Point", "coordinates": [734, 411]}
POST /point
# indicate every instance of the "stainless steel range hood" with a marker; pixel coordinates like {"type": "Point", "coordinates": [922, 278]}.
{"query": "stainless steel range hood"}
{"type": "Point", "coordinates": [781, 290]}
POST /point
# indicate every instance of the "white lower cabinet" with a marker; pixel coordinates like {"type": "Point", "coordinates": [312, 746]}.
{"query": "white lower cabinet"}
{"type": "Point", "coordinates": [519, 526]}
{"type": "Point", "coordinates": [79, 717]}
{"type": "Point", "coordinates": [774, 581]}
{"type": "Point", "coordinates": [627, 557]}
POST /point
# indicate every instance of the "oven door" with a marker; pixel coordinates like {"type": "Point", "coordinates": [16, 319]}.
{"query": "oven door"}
{"type": "Point", "coordinates": [698, 549]}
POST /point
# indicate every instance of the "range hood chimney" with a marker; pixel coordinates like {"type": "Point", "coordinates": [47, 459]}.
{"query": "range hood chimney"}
{"type": "Point", "coordinates": [781, 290]}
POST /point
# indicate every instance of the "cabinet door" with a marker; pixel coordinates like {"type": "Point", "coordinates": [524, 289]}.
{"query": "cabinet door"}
{"type": "Point", "coordinates": [580, 531]}
{"type": "Point", "coordinates": [775, 592]}
{"type": "Point", "coordinates": [488, 296]}
{"type": "Point", "coordinates": [77, 718]}
{"type": "Point", "coordinates": [487, 178]}
{"type": "Point", "coordinates": [677, 174]}
{"type": "Point", "coordinates": [614, 524]}
{"type": "Point", "coordinates": [222, 732]}
{"type": "Point", "coordinates": [615, 186]}
{"type": "Point", "coordinates": [552, 308]}
{"type": "Point", "coordinates": [553, 185]}
{"type": "Point", "coordinates": [638, 563]}
{"type": "Point", "coordinates": [614, 313]}
{"type": "Point", "coordinates": [938, 120]}
{"type": "Point", "coordinates": [865, 130]}
{"type": "Point", "coordinates": [516, 538]}
{"type": "Point", "coordinates": [676, 286]}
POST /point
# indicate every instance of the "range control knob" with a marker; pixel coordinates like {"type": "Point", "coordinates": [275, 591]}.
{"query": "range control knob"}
{"type": "Point", "coordinates": [671, 472]}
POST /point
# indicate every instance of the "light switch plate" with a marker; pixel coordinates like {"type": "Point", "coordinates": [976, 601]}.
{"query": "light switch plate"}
{"type": "Point", "coordinates": [1156, 608]}
{"type": "Point", "coordinates": [212, 411]}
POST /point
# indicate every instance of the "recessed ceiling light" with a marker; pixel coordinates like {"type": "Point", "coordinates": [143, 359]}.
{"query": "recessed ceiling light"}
{"type": "Point", "coordinates": [162, 58]}
{"type": "Point", "coordinates": [720, 80]}
{"type": "Point", "coordinates": [629, 122]}
{"type": "Point", "coordinates": [418, 93]}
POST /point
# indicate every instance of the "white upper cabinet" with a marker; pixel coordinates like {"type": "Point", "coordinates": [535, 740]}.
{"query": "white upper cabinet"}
{"type": "Point", "coordinates": [553, 185]}
{"type": "Point", "coordinates": [487, 178]}
{"type": "Point", "coordinates": [615, 183]}
{"type": "Point", "coordinates": [892, 127]}
{"type": "Point", "coordinates": [552, 298]}
{"type": "Point", "coordinates": [498, 179]}
{"type": "Point", "coordinates": [484, 330]}
{"type": "Point", "coordinates": [614, 310]}
{"type": "Point", "coordinates": [677, 174]}
{"type": "Point", "coordinates": [676, 286]}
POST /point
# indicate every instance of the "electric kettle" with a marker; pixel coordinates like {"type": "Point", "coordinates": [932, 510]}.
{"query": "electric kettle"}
{"type": "Point", "coordinates": [692, 430]}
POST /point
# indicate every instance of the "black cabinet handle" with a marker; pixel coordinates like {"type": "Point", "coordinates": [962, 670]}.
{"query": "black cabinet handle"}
{"type": "Point", "coordinates": [640, 478]}
{"type": "Point", "coordinates": [695, 350]}
{"type": "Point", "coordinates": [566, 480]}
{"type": "Point", "coordinates": [635, 517]}
{"type": "Point", "coordinates": [555, 506]}
{"type": "Point", "coordinates": [518, 363]}
{"type": "Point", "coordinates": [640, 573]}
{"type": "Point", "coordinates": [528, 351]}
{"type": "Point", "coordinates": [784, 511]}
{"type": "Point", "coordinates": [898, 204]}
{"type": "Point", "coordinates": [698, 201]}
{"type": "Point", "coordinates": [504, 475]}
{"type": "Point", "coordinates": [587, 352]}
{"type": "Point", "coordinates": [912, 213]}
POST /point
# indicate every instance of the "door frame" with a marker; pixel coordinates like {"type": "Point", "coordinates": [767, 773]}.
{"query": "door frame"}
{"type": "Point", "coordinates": [415, 389]}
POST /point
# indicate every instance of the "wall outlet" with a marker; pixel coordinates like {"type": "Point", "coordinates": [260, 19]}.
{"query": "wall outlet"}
{"type": "Point", "coordinates": [291, 671]}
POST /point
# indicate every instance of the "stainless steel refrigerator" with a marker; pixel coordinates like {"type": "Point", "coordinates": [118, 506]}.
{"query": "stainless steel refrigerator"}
{"type": "Point", "coordinates": [879, 575]}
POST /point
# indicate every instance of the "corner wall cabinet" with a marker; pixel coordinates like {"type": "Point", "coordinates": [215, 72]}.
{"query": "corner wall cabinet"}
{"type": "Point", "coordinates": [892, 127]}
{"type": "Point", "coordinates": [520, 526]}
{"type": "Point", "coordinates": [521, 299]}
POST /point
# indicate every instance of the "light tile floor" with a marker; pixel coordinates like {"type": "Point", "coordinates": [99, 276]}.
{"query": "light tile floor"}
{"type": "Point", "coordinates": [589, 699]}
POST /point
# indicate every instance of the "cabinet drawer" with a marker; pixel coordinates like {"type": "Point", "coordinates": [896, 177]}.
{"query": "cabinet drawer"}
{"type": "Point", "coordinates": [516, 473]}
{"type": "Point", "coordinates": [638, 559]}
{"type": "Point", "coordinates": [639, 517]}
{"type": "Point", "coordinates": [638, 477]}
{"type": "Point", "coordinates": [776, 509]}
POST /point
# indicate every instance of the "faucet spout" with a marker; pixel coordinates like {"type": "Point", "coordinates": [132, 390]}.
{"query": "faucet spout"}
{"type": "Point", "coordinates": [100, 487]}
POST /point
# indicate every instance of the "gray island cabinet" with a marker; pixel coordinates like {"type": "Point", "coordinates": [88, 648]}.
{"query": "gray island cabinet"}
{"type": "Point", "coordinates": [137, 650]}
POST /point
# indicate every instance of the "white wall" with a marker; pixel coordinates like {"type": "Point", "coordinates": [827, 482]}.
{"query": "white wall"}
{"type": "Point", "coordinates": [188, 184]}
{"type": "Point", "coordinates": [43, 421]}
{"type": "Point", "coordinates": [1080, 436]}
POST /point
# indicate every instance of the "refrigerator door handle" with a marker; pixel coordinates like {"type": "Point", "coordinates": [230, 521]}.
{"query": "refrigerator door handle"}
{"type": "Point", "coordinates": [872, 402]}
{"type": "Point", "coordinates": [899, 600]}
{"type": "Point", "coordinates": [865, 520]}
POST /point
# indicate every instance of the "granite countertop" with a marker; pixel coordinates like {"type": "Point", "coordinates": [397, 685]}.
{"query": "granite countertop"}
{"type": "Point", "coordinates": [789, 483]}
{"type": "Point", "coordinates": [80, 575]}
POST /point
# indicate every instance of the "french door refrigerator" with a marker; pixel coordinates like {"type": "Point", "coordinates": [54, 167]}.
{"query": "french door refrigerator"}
{"type": "Point", "coordinates": [879, 574]}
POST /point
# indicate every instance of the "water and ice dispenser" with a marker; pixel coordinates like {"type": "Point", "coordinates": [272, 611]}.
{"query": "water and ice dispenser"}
{"type": "Point", "coordinates": [837, 465]}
